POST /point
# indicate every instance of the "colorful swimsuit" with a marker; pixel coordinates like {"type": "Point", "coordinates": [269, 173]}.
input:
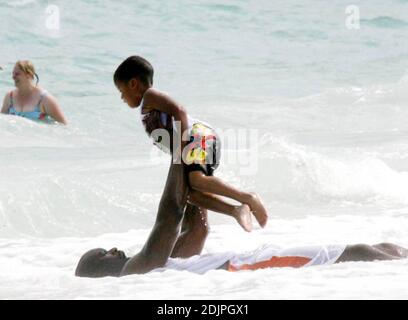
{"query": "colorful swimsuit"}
{"type": "Point", "coordinates": [267, 256]}
{"type": "Point", "coordinates": [36, 114]}
{"type": "Point", "coordinates": [202, 152]}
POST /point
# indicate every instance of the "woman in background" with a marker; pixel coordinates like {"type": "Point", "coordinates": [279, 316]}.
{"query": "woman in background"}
{"type": "Point", "coordinates": [29, 100]}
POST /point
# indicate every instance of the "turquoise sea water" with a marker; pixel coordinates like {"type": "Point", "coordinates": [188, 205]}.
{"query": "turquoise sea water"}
{"type": "Point", "coordinates": [312, 113]}
{"type": "Point", "coordinates": [327, 104]}
{"type": "Point", "coordinates": [210, 51]}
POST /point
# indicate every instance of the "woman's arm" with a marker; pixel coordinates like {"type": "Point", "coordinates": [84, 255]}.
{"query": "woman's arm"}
{"type": "Point", "coordinates": [6, 104]}
{"type": "Point", "coordinates": [52, 108]}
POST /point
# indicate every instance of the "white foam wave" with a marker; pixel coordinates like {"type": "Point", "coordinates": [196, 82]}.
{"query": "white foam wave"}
{"type": "Point", "coordinates": [20, 3]}
{"type": "Point", "coordinates": [297, 173]}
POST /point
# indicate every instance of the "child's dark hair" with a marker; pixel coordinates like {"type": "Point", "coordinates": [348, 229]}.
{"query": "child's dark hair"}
{"type": "Point", "coordinates": [134, 67]}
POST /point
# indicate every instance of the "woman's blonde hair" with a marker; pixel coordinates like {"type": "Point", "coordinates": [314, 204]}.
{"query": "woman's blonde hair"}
{"type": "Point", "coordinates": [28, 68]}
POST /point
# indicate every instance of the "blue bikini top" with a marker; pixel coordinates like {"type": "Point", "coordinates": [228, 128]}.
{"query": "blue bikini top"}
{"type": "Point", "coordinates": [36, 114]}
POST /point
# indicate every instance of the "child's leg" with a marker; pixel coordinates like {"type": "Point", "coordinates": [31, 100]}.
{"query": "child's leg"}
{"type": "Point", "coordinates": [210, 184]}
{"type": "Point", "coordinates": [211, 202]}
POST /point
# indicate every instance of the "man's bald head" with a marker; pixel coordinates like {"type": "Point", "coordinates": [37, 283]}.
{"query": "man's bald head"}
{"type": "Point", "coordinates": [99, 262]}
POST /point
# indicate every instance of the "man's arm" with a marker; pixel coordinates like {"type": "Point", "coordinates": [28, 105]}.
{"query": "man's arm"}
{"type": "Point", "coordinates": [165, 232]}
{"type": "Point", "coordinates": [193, 233]}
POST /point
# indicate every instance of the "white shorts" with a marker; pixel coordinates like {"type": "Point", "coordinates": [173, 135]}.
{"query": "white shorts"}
{"type": "Point", "coordinates": [270, 256]}
{"type": "Point", "coordinates": [267, 256]}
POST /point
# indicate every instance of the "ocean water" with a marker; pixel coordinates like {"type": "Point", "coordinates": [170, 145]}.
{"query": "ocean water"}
{"type": "Point", "coordinates": [312, 113]}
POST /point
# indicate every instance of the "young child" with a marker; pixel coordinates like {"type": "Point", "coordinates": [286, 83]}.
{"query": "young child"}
{"type": "Point", "coordinates": [134, 80]}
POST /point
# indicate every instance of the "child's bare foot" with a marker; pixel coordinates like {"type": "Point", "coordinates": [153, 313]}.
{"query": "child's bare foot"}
{"type": "Point", "coordinates": [258, 209]}
{"type": "Point", "coordinates": [243, 215]}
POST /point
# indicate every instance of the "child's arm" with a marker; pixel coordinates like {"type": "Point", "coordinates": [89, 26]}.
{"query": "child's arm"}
{"type": "Point", "coordinates": [154, 99]}
{"type": "Point", "coordinates": [152, 121]}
